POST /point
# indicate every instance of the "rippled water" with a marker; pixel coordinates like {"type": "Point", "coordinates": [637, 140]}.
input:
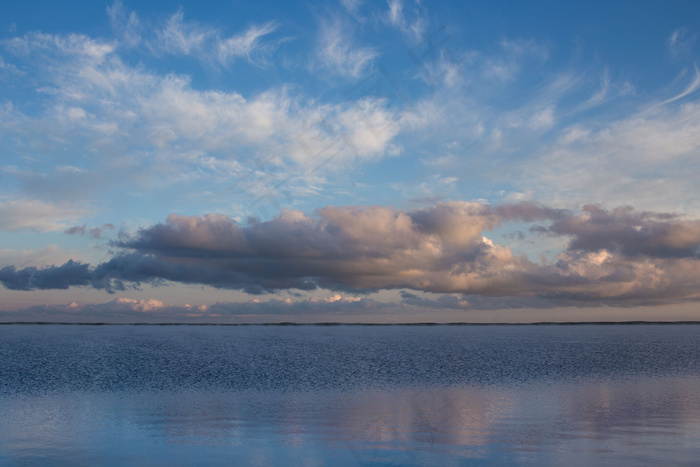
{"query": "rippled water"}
{"type": "Point", "coordinates": [347, 395]}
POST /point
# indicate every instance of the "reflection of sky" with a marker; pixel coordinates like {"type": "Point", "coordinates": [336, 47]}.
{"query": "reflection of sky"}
{"type": "Point", "coordinates": [640, 420]}
{"type": "Point", "coordinates": [273, 395]}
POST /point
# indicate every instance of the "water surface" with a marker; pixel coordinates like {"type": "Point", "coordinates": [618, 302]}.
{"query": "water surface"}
{"type": "Point", "coordinates": [348, 395]}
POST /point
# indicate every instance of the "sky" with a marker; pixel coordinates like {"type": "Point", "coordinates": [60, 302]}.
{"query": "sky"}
{"type": "Point", "coordinates": [355, 161]}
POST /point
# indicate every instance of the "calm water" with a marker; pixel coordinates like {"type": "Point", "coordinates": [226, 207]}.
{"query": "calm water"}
{"type": "Point", "coordinates": [348, 395]}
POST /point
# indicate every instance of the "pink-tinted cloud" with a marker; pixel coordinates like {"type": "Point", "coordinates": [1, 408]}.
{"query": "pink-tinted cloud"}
{"type": "Point", "coordinates": [619, 255]}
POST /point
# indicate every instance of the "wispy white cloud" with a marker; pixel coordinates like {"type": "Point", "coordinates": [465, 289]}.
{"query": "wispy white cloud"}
{"type": "Point", "coordinates": [692, 87]}
{"type": "Point", "coordinates": [76, 46]}
{"type": "Point", "coordinates": [436, 188]}
{"type": "Point", "coordinates": [125, 24]}
{"type": "Point", "coordinates": [176, 36]}
{"type": "Point", "coordinates": [92, 102]}
{"type": "Point", "coordinates": [680, 42]}
{"type": "Point", "coordinates": [353, 8]}
{"type": "Point", "coordinates": [8, 68]}
{"type": "Point", "coordinates": [409, 18]}
{"type": "Point", "coordinates": [337, 52]}
{"type": "Point", "coordinates": [246, 44]}
{"type": "Point", "coordinates": [606, 92]}
{"type": "Point", "coordinates": [506, 65]}
{"type": "Point", "coordinates": [641, 160]}
{"type": "Point", "coordinates": [543, 119]}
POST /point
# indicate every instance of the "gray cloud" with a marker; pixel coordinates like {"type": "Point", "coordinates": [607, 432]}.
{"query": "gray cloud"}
{"type": "Point", "coordinates": [617, 256]}
{"type": "Point", "coordinates": [441, 303]}
{"type": "Point", "coordinates": [630, 232]}
{"type": "Point", "coordinates": [95, 232]}
{"type": "Point", "coordinates": [72, 273]}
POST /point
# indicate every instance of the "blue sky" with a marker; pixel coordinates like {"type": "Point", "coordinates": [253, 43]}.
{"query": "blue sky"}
{"type": "Point", "coordinates": [355, 161]}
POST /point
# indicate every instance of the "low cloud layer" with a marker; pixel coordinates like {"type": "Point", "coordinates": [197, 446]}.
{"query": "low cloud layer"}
{"type": "Point", "coordinates": [613, 256]}
{"type": "Point", "coordinates": [126, 309]}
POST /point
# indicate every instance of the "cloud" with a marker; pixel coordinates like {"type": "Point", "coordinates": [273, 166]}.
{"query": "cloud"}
{"type": "Point", "coordinates": [246, 44]}
{"type": "Point", "coordinates": [514, 54]}
{"type": "Point", "coordinates": [125, 24]}
{"type": "Point", "coordinates": [336, 305]}
{"type": "Point", "coordinates": [409, 20]}
{"type": "Point", "coordinates": [143, 306]}
{"type": "Point", "coordinates": [436, 188]}
{"type": "Point", "coordinates": [692, 87]}
{"type": "Point", "coordinates": [630, 232]}
{"type": "Point", "coordinates": [69, 274]}
{"type": "Point", "coordinates": [620, 255]}
{"type": "Point", "coordinates": [121, 309]}
{"type": "Point", "coordinates": [640, 160]}
{"type": "Point", "coordinates": [31, 214]}
{"type": "Point", "coordinates": [337, 53]}
{"type": "Point", "coordinates": [156, 130]}
{"type": "Point", "coordinates": [209, 44]}
{"type": "Point", "coordinates": [178, 37]}
{"type": "Point", "coordinates": [680, 42]}
{"type": "Point", "coordinates": [51, 254]}
{"type": "Point", "coordinates": [125, 309]}
{"type": "Point", "coordinates": [501, 115]}
{"type": "Point", "coordinates": [94, 103]}
{"type": "Point", "coordinates": [353, 7]}
{"type": "Point", "coordinates": [95, 232]}
{"type": "Point", "coordinates": [441, 303]}
{"type": "Point", "coordinates": [542, 120]}
{"type": "Point", "coordinates": [8, 69]}
{"type": "Point", "coordinates": [188, 38]}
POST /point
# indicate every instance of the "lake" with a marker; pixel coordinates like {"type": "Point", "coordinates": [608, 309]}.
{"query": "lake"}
{"type": "Point", "coordinates": [350, 395]}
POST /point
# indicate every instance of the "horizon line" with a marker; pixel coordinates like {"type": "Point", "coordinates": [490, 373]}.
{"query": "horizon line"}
{"type": "Point", "coordinates": [289, 323]}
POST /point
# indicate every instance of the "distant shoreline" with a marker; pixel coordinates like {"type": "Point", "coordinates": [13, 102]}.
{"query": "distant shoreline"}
{"type": "Point", "coordinates": [544, 323]}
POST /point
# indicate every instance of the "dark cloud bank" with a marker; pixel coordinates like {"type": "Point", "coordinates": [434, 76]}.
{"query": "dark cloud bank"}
{"type": "Point", "coordinates": [619, 256]}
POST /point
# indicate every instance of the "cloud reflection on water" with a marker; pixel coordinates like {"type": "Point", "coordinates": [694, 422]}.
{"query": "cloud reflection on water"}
{"type": "Point", "coordinates": [641, 420]}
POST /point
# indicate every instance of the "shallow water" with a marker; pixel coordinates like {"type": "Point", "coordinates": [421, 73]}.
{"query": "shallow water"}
{"type": "Point", "coordinates": [347, 395]}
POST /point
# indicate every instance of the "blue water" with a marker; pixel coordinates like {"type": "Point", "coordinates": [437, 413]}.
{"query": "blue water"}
{"type": "Point", "coordinates": [349, 395]}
